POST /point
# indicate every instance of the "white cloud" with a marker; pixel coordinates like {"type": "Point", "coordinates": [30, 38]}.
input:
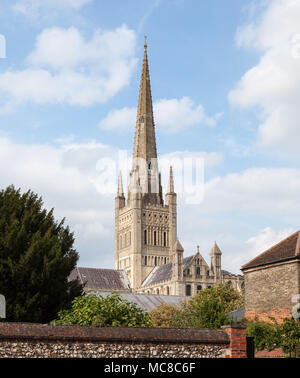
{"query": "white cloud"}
{"type": "Point", "coordinates": [119, 119]}
{"type": "Point", "coordinates": [63, 176]}
{"type": "Point", "coordinates": [273, 85]}
{"type": "Point", "coordinates": [66, 68]}
{"type": "Point", "coordinates": [170, 115]}
{"type": "Point", "coordinates": [34, 8]}
{"type": "Point", "coordinates": [67, 177]}
{"type": "Point", "coordinates": [173, 115]}
{"type": "Point", "coordinates": [265, 240]}
{"type": "Point", "coordinates": [268, 191]}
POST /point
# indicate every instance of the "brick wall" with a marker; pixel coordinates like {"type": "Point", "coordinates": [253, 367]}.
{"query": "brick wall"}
{"type": "Point", "coordinates": [238, 343]}
{"type": "Point", "coordinates": [38, 340]}
{"type": "Point", "coordinates": [269, 290]}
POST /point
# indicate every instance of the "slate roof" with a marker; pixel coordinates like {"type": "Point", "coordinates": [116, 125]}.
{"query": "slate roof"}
{"type": "Point", "coordinates": [163, 272]}
{"type": "Point", "coordinates": [237, 315]}
{"type": "Point", "coordinates": [148, 301]}
{"type": "Point", "coordinates": [101, 279]}
{"type": "Point", "coordinates": [159, 274]}
{"type": "Point", "coordinates": [187, 261]}
{"type": "Point", "coordinates": [287, 249]}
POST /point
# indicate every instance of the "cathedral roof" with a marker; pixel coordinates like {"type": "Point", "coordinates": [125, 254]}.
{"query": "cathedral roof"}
{"type": "Point", "coordinates": [148, 302]}
{"type": "Point", "coordinates": [160, 273]}
{"type": "Point", "coordinates": [163, 273]}
{"type": "Point", "coordinates": [187, 262]}
{"type": "Point", "coordinates": [101, 279]}
{"type": "Point", "coordinates": [287, 249]}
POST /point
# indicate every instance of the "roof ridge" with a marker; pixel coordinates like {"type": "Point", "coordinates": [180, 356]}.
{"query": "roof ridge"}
{"type": "Point", "coordinates": [85, 267]}
{"type": "Point", "coordinates": [274, 246]}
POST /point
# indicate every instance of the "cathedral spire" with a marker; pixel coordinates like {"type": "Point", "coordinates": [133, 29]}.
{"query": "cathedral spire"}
{"type": "Point", "coordinates": [120, 186]}
{"type": "Point", "coordinates": [144, 143]}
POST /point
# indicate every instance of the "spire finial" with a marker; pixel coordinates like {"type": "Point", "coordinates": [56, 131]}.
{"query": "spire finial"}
{"type": "Point", "coordinates": [145, 45]}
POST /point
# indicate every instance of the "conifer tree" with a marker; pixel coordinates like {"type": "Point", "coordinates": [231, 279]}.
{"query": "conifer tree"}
{"type": "Point", "coordinates": [36, 258]}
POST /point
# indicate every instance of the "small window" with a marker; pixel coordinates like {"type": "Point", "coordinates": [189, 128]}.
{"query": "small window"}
{"type": "Point", "coordinates": [145, 237]}
{"type": "Point", "coordinates": [165, 239]}
{"type": "Point", "coordinates": [198, 271]}
{"type": "Point", "coordinates": [146, 260]}
{"type": "Point", "coordinates": [155, 261]}
{"type": "Point", "coordinates": [188, 290]}
{"type": "Point", "coordinates": [154, 237]}
{"type": "Point", "coordinates": [199, 288]}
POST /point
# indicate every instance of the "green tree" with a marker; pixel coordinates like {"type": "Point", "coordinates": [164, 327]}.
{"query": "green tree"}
{"type": "Point", "coordinates": [209, 307]}
{"type": "Point", "coordinates": [36, 258]}
{"type": "Point", "coordinates": [112, 310]}
{"type": "Point", "coordinates": [167, 316]}
{"type": "Point", "coordinates": [266, 335]}
{"type": "Point", "coordinates": [289, 333]}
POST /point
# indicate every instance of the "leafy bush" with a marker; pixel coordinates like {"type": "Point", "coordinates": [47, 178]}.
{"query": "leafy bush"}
{"type": "Point", "coordinates": [167, 316]}
{"type": "Point", "coordinates": [113, 310]}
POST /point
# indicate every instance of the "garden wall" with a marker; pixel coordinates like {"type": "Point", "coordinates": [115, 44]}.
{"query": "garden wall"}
{"type": "Point", "coordinates": [65, 341]}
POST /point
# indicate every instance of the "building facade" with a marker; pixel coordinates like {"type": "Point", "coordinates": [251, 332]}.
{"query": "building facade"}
{"type": "Point", "coordinates": [272, 281]}
{"type": "Point", "coordinates": [146, 243]}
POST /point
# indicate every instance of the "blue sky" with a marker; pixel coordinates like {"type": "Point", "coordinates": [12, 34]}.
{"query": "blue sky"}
{"type": "Point", "coordinates": [225, 82]}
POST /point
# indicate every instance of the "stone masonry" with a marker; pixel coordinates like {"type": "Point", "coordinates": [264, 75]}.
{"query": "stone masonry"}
{"type": "Point", "coordinates": [25, 340]}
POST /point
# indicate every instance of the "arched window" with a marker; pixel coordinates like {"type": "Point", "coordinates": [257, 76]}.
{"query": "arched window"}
{"type": "Point", "coordinates": [199, 287]}
{"type": "Point", "coordinates": [154, 237]}
{"type": "Point", "coordinates": [188, 290]}
{"type": "Point", "coordinates": [168, 290]}
{"type": "Point", "coordinates": [145, 260]}
{"type": "Point", "coordinates": [165, 260]}
{"type": "Point", "coordinates": [155, 261]}
{"type": "Point", "coordinates": [198, 271]}
{"type": "Point", "coordinates": [157, 291]}
{"type": "Point", "coordinates": [145, 237]}
{"type": "Point", "coordinates": [165, 239]}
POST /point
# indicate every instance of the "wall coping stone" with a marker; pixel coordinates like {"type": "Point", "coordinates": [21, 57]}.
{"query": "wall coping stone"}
{"type": "Point", "coordinates": [39, 332]}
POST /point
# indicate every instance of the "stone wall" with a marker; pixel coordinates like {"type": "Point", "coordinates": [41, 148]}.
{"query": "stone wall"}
{"type": "Point", "coordinates": [55, 341]}
{"type": "Point", "coordinates": [269, 290]}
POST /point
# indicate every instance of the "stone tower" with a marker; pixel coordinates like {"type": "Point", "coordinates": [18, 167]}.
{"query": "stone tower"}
{"type": "Point", "coordinates": [145, 226]}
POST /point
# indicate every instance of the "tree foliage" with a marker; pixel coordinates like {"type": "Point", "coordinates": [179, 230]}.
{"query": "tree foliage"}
{"type": "Point", "coordinates": [36, 258]}
{"type": "Point", "coordinates": [271, 335]}
{"type": "Point", "coordinates": [112, 310]}
{"type": "Point", "coordinates": [207, 309]}
{"type": "Point", "coordinates": [167, 316]}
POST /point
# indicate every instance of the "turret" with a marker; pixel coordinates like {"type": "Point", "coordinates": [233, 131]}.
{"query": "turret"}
{"type": "Point", "coordinates": [215, 256]}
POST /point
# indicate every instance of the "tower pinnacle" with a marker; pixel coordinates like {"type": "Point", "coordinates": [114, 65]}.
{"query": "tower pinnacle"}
{"type": "Point", "coordinates": [120, 186]}
{"type": "Point", "coordinates": [171, 181]}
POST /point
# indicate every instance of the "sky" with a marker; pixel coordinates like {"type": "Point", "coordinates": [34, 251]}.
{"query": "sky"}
{"type": "Point", "coordinates": [225, 79]}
